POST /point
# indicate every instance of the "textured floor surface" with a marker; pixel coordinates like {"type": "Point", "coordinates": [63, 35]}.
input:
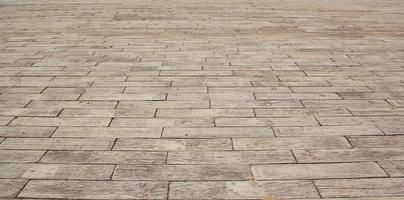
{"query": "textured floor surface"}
{"type": "Point", "coordinates": [186, 99]}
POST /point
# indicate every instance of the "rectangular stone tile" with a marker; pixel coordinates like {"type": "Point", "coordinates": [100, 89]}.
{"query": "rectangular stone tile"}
{"type": "Point", "coordinates": [20, 156]}
{"type": "Point", "coordinates": [263, 96]}
{"type": "Point", "coordinates": [256, 104]}
{"type": "Point", "coordinates": [12, 131]}
{"type": "Point", "coordinates": [64, 90]}
{"type": "Point", "coordinates": [5, 120]}
{"type": "Point", "coordinates": [41, 97]}
{"type": "Point", "coordinates": [11, 187]}
{"type": "Point", "coordinates": [209, 96]}
{"type": "Point", "coordinates": [373, 95]}
{"type": "Point", "coordinates": [47, 121]}
{"type": "Point", "coordinates": [21, 90]}
{"type": "Point", "coordinates": [43, 73]}
{"type": "Point", "coordinates": [331, 89]}
{"type": "Point", "coordinates": [42, 112]}
{"type": "Point", "coordinates": [365, 112]}
{"type": "Point", "coordinates": [393, 168]}
{"type": "Point", "coordinates": [122, 112]}
{"type": "Point", "coordinates": [16, 103]}
{"type": "Point", "coordinates": [168, 122]}
{"type": "Point", "coordinates": [107, 132]}
{"type": "Point", "coordinates": [57, 144]}
{"type": "Point", "coordinates": [287, 121]}
{"type": "Point", "coordinates": [181, 172]}
{"type": "Point", "coordinates": [172, 144]}
{"type": "Point", "coordinates": [345, 103]}
{"type": "Point", "coordinates": [94, 189]}
{"type": "Point", "coordinates": [217, 132]}
{"type": "Point", "coordinates": [348, 155]}
{"type": "Point", "coordinates": [140, 97]}
{"type": "Point", "coordinates": [131, 84]}
{"type": "Point", "coordinates": [340, 73]}
{"type": "Point", "coordinates": [317, 171]}
{"type": "Point", "coordinates": [360, 187]}
{"type": "Point", "coordinates": [326, 130]}
{"type": "Point", "coordinates": [302, 112]}
{"type": "Point", "coordinates": [105, 157]}
{"type": "Point", "coordinates": [380, 121]}
{"type": "Point", "coordinates": [40, 83]}
{"type": "Point", "coordinates": [56, 171]}
{"type": "Point", "coordinates": [205, 113]}
{"type": "Point", "coordinates": [377, 141]}
{"type": "Point", "coordinates": [196, 73]}
{"type": "Point", "coordinates": [264, 83]}
{"type": "Point", "coordinates": [242, 190]}
{"type": "Point", "coordinates": [72, 104]}
{"type": "Point", "coordinates": [249, 90]}
{"type": "Point", "coordinates": [164, 104]}
{"type": "Point", "coordinates": [331, 142]}
{"type": "Point", "coordinates": [130, 90]}
{"type": "Point", "coordinates": [230, 157]}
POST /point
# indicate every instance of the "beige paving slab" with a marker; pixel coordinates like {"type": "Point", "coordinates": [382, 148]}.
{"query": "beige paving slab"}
{"type": "Point", "coordinates": [12, 131]}
{"type": "Point", "coordinates": [331, 142]}
{"type": "Point", "coordinates": [181, 172]}
{"type": "Point", "coordinates": [224, 103]}
{"type": "Point", "coordinates": [51, 121]}
{"type": "Point", "coordinates": [242, 190]}
{"type": "Point", "coordinates": [377, 112]}
{"type": "Point", "coordinates": [209, 96]}
{"type": "Point", "coordinates": [165, 89]}
{"type": "Point", "coordinates": [357, 90]}
{"type": "Point", "coordinates": [56, 144]}
{"type": "Point", "coordinates": [160, 122]}
{"type": "Point", "coordinates": [39, 96]}
{"type": "Point", "coordinates": [284, 112]}
{"type": "Point", "coordinates": [164, 104]}
{"type": "Point", "coordinates": [56, 171]}
{"type": "Point", "coordinates": [205, 113]}
{"type": "Point", "coordinates": [16, 103]}
{"type": "Point", "coordinates": [345, 103]}
{"type": "Point", "coordinates": [289, 121]}
{"type": "Point", "coordinates": [109, 97]}
{"type": "Point", "coordinates": [230, 157]}
{"type": "Point", "coordinates": [261, 96]}
{"type": "Point", "coordinates": [21, 90]}
{"type": "Point", "coordinates": [217, 132]}
{"type": "Point", "coordinates": [11, 187]}
{"type": "Point", "coordinates": [317, 171]}
{"type": "Point", "coordinates": [43, 112]}
{"type": "Point", "coordinates": [172, 144]}
{"type": "Point", "coordinates": [107, 132]}
{"type": "Point", "coordinates": [348, 155]}
{"type": "Point", "coordinates": [72, 104]}
{"type": "Point", "coordinates": [105, 157]}
{"type": "Point", "coordinates": [377, 141]}
{"type": "Point", "coordinates": [20, 156]}
{"type": "Point", "coordinates": [249, 89]}
{"type": "Point", "coordinates": [360, 187]}
{"type": "Point", "coordinates": [94, 189]}
{"type": "Point", "coordinates": [327, 130]}
{"type": "Point", "coordinates": [121, 112]}
{"type": "Point", "coordinates": [374, 120]}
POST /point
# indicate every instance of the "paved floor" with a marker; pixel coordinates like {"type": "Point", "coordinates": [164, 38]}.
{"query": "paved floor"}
{"type": "Point", "coordinates": [186, 99]}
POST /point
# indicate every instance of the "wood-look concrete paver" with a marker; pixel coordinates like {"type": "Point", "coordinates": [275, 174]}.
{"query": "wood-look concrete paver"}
{"type": "Point", "coordinates": [186, 99]}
